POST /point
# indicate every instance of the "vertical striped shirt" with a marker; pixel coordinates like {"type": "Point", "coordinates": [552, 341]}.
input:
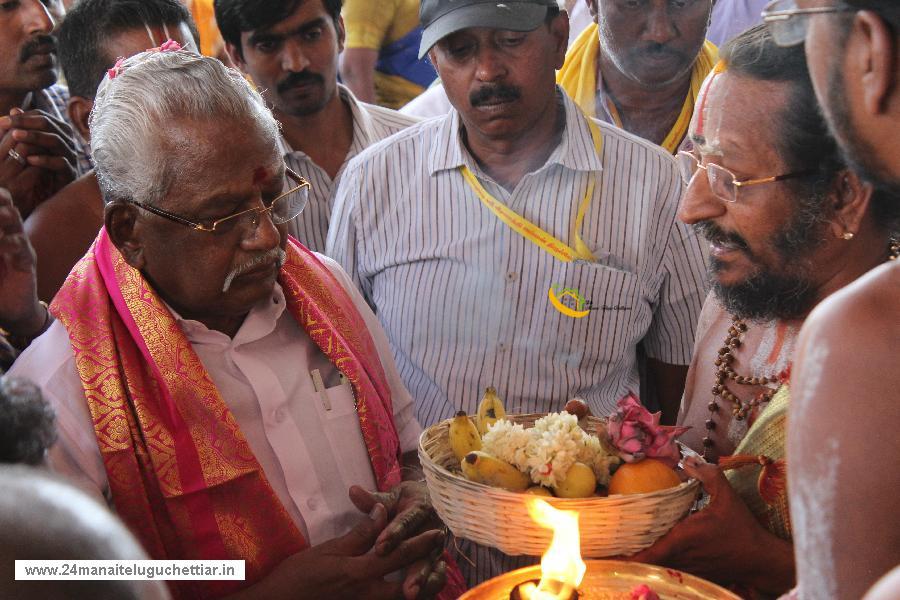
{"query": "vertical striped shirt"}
{"type": "Point", "coordinates": [370, 124]}
{"type": "Point", "coordinates": [465, 300]}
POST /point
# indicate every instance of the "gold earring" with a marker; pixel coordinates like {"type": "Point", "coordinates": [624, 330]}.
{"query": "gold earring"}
{"type": "Point", "coordinates": [848, 235]}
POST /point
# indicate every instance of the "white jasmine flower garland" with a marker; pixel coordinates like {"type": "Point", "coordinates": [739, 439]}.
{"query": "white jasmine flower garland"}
{"type": "Point", "coordinates": [546, 451]}
{"type": "Point", "coordinates": [508, 441]}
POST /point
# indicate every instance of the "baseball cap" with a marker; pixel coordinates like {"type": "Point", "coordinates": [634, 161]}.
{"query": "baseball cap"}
{"type": "Point", "coordinates": [440, 18]}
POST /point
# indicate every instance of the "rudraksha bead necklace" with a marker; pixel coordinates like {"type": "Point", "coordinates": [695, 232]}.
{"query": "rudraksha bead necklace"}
{"type": "Point", "coordinates": [740, 409]}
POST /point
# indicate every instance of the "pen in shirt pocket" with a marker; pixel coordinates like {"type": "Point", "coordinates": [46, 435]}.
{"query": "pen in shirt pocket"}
{"type": "Point", "coordinates": [319, 386]}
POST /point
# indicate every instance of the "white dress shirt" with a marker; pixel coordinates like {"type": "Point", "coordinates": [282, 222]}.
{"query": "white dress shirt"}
{"type": "Point", "coordinates": [370, 124]}
{"type": "Point", "coordinates": [310, 455]}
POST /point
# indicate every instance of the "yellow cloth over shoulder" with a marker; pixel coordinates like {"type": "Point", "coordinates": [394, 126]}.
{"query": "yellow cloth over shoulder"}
{"type": "Point", "coordinates": [578, 77]}
{"type": "Point", "coordinates": [767, 437]}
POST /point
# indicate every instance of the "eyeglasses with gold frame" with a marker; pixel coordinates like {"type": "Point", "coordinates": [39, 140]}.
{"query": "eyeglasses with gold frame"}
{"type": "Point", "coordinates": [722, 182]}
{"type": "Point", "coordinates": [281, 209]}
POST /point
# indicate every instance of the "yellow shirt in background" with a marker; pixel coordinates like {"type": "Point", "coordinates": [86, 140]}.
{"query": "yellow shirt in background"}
{"type": "Point", "coordinates": [375, 24]}
{"type": "Point", "coordinates": [211, 43]}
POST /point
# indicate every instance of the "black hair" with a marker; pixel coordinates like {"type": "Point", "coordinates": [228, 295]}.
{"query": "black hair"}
{"type": "Point", "coordinates": [805, 142]}
{"type": "Point", "coordinates": [889, 10]}
{"type": "Point", "coordinates": [27, 422]}
{"type": "Point", "coordinates": [90, 24]}
{"type": "Point", "coordinates": [235, 17]}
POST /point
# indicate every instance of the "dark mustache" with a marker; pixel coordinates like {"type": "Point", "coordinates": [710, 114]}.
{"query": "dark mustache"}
{"type": "Point", "coordinates": [297, 79]}
{"type": "Point", "coordinates": [654, 49]}
{"type": "Point", "coordinates": [715, 234]}
{"type": "Point", "coordinates": [498, 91]}
{"type": "Point", "coordinates": [35, 45]}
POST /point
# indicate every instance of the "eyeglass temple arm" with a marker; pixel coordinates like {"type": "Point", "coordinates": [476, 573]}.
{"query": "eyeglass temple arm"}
{"type": "Point", "coordinates": [774, 178]}
{"type": "Point", "coordinates": [168, 215]}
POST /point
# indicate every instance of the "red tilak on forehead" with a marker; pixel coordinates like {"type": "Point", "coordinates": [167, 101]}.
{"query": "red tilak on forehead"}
{"type": "Point", "coordinates": [260, 175]}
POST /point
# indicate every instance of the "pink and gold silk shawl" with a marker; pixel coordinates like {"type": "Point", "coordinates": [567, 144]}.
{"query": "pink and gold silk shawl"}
{"type": "Point", "coordinates": [181, 473]}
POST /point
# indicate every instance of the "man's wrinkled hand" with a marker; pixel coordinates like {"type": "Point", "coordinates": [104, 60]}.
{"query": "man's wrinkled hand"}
{"type": "Point", "coordinates": [410, 512]}
{"type": "Point", "coordinates": [346, 567]}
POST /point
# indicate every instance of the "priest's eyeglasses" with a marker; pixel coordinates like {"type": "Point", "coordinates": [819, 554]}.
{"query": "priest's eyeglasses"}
{"type": "Point", "coordinates": [788, 24]}
{"type": "Point", "coordinates": [281, 209]}
{"type": "Point", "coordinates": [722, 182]}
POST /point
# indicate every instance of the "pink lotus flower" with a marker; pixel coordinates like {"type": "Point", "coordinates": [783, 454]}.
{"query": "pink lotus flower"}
{"type": "Point", "coordinates": [169, 46]}
{"type": "Point", "coordinates": [637, 434]}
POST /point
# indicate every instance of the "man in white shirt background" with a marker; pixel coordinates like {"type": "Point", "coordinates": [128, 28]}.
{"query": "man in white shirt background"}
{"type": "Point", "coordinates": [289, 49]}
{"type": "Point", "coordinates": [466, 233]}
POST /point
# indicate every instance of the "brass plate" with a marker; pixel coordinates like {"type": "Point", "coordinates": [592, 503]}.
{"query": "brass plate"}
{"type": "Point", "coordinates": [611, 580]}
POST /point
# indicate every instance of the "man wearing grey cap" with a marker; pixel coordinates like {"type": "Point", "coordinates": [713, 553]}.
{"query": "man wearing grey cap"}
{"type": "Point", "coordinates": [517, 243]}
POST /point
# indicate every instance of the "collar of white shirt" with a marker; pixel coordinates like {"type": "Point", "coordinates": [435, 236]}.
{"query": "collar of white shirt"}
{"type": "Point", "coordinates": [575, 151]}
{"type": "Point", "coordinates": [260, 322]}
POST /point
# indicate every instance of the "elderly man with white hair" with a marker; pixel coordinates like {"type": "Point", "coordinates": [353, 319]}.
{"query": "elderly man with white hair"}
{"type": "Point", "coordinates": [218, 383]}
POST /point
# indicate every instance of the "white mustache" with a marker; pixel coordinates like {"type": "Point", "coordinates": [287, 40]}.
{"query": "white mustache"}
{"type": "Point", "coordinates": [276, 255]}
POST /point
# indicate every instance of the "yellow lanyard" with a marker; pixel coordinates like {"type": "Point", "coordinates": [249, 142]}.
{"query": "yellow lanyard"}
{"type": "Point", "coordinates": [533, 233]}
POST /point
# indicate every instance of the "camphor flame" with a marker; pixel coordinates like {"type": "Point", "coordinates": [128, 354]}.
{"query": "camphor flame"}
{"type": "Point", "coordinates": [561, 566]}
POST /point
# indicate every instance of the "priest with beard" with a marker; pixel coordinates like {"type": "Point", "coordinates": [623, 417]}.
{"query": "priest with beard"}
{"type": "Point", "coordinates": [787, 225]}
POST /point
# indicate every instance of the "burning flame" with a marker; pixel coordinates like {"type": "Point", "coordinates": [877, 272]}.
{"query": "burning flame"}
{"type": "Point", "coordinates": [561, 566]}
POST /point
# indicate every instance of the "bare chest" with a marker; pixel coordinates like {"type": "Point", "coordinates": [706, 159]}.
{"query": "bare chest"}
{"type": "Point", "coordinates": [735, 373]}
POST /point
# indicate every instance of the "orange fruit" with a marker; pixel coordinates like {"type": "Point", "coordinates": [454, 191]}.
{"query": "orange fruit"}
{"type": "Point", "coordinates": [648, 475]}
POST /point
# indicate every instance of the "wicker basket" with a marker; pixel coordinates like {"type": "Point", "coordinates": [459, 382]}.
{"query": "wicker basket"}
{"type": "Point", "coordinates": [612, 526]}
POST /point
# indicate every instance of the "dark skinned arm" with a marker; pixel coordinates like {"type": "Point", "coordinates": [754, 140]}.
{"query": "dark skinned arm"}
{"type": "Point", "coordinates": [667, 385]}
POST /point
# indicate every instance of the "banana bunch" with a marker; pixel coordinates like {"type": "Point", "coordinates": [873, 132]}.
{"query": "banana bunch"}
{"type": "Point", "coordinates": [465, 442]}
{"type": "Point", "coordinates": [465, 436]}
{"type": "Point", "coordinates": [482, 467]}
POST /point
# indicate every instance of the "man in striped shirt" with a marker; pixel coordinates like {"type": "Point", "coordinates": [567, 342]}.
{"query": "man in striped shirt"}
{"type": "Point", "coordinates": [38, 152]}
{"type": "Point", "coordinates": [516, 243]}
{"type": "Point", "coordinates": [289, 48]}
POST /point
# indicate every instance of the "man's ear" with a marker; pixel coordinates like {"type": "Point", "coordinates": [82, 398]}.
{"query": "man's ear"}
{"type": "Point", "coordinates": [559, 29]}
{"type": "Point", "coordinates": [872, 53]}
{"type": "Point", "coordinates": [79, 111]}
{"type": "Point", "coordinates": [341, 32]}
{"type": "Point", "coordinates": [120, 219]}
{"type": "Point", "coordinates": [849, 202]}
{"type": "Point", "coordinates": [237, 59]}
